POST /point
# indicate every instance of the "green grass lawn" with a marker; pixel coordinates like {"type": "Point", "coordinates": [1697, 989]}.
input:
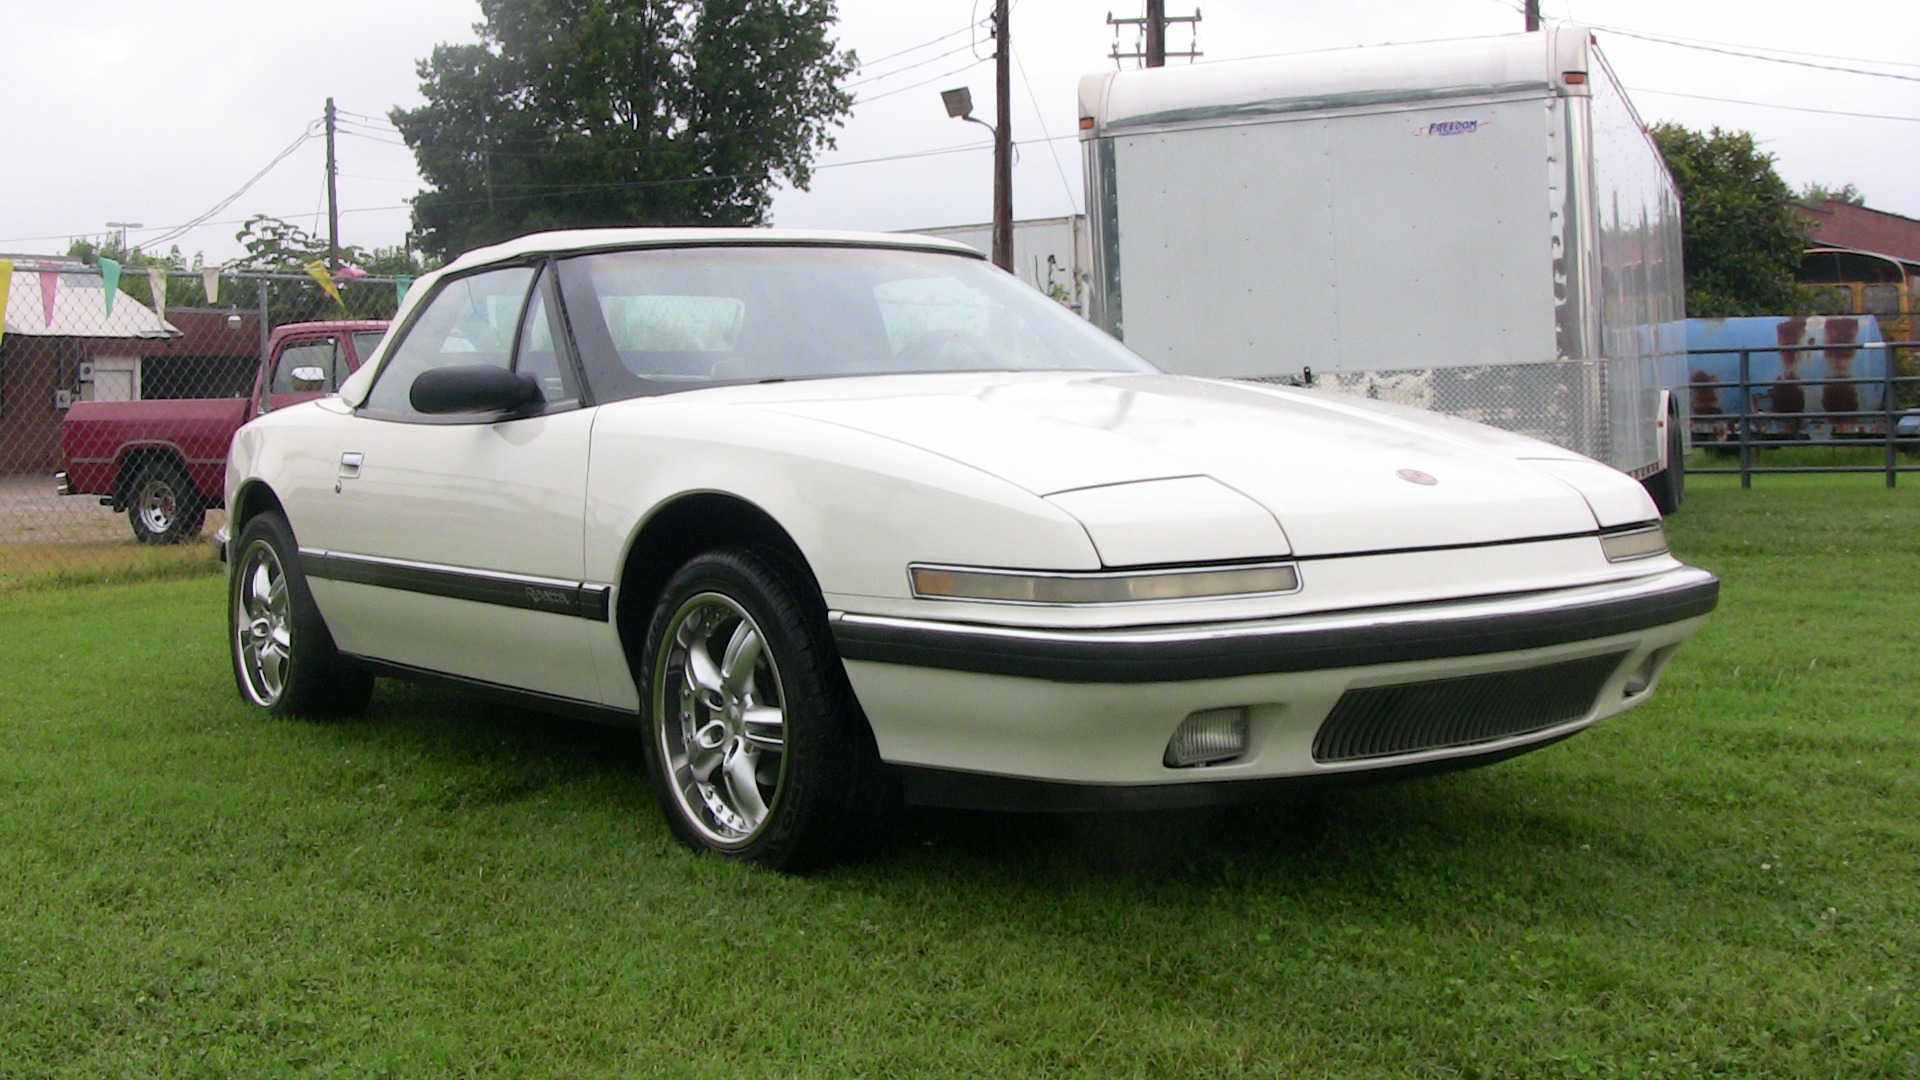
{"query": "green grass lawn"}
{"type": "Point", "coordinates": [1725, 882]}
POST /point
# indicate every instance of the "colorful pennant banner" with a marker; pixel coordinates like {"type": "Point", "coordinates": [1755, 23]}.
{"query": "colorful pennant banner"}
{"type": "Point", "coordinates": [110, 281]}
{"type": "Point", "coordinates": [49, 292]}
{"type": "Point", "coordinates": [318, 271]}
{"type": "Point", "coordinates": [210, 281]}
{"type": "Point", "coordinates": [157, 281]}
{"type": "Point", "coordinates": [6, 284]}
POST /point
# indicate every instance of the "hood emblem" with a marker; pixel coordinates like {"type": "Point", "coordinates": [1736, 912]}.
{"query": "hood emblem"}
{"type": "Point", "coordinates": [1415, 476]}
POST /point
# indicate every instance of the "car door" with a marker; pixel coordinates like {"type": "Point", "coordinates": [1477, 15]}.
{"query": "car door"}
{"type": "Point", "coordinates": [291, 379]}
{"type": "Point", "coordinates": [453, 542]}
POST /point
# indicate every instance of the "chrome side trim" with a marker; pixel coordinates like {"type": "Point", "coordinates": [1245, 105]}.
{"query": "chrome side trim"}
{"type": "Point", "coordinates": [557, 596]}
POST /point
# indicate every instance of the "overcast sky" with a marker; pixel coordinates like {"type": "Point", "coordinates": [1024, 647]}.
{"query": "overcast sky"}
{"type": "Point", "coordinates": [154, 113]}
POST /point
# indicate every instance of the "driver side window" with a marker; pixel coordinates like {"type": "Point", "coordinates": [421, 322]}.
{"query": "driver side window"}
{"type": "Point", "coordinates": [325, 355]}
{"type": "Point", "coordinates": [470, 320]}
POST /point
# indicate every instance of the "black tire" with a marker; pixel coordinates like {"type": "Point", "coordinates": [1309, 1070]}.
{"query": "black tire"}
{"type": "Point", "coordinates": [284, 660]}
{"type": "Point", "coordinates": [1669, 486]}
{"type": "Point", "coordinates": [737, 637]}
{"type": "Point", "coordinates": [163, 506]}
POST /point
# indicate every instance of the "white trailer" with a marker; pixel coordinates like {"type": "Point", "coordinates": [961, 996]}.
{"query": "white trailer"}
{"type": "Point", "coordinates": [1482, 227]}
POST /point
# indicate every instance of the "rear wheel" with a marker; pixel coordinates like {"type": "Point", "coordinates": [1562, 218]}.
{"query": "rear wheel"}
{"type": "Point", "coordinates": [757, 747]}
{"type": "Point", "coordinates": [1669, 486]}
{"type": "Point", "coordinates": [163, 506]}
{"type": "Point", "coordinates": [284, 660]}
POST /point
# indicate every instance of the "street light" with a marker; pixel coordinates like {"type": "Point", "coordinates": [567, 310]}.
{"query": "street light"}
{"type": "Point", "coordinates": [959, 103]}
{"type": "Point", "coordinates": [123, 226]}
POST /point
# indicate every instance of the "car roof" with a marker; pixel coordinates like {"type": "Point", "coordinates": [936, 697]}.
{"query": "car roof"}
{"type": "Point", "coordinates": [567, 241]}
{"type": "Point", "coordinates": [574, 240]}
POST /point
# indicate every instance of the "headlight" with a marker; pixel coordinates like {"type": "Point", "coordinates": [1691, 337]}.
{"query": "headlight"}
{"type": "Point", "coordinates": [1639, 542]}
{"type": "Point", "coordinates": [1122, 587]}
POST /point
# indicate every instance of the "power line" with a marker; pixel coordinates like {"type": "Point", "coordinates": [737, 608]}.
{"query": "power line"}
{"type": "Point", "coordinates": [182, 230]}
{"type": "Point", "coordinates": [924, 82]}
{"type": "Point", "coordinates": [1771, 105]}
{"type": "Point", "coordinates": [909, 67]}
{"type": "Point", "coordinates": [884, 159]}
{"type": "Point", "coordinates": [1676, 38]}
{"type": "Point", "coordinates": [380, 121]}
{"type": "Point", "coordinates": [1677, 43]}
{"type": "Point", "coordinates": [967, 29]}
{"type": "Point", "coordinates": [1053, 150]}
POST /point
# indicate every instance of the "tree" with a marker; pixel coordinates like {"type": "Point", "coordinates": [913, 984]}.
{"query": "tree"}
{"type": "Point", "coordinates": [1815, 194]}
{"type": "Point", "coordinates": [1741, 236]}
{"type": "Point", "coordinates": [134, 262]}
{"type": "Point", "coordinates": [572, 113]}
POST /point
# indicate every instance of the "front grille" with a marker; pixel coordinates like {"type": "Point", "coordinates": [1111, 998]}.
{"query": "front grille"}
{"type": "Point", "coordinates": [1381, 721]}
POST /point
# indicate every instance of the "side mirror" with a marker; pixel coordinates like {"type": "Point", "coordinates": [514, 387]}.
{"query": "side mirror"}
{"type": "Point", "coordinates": [473, 388]}
{"type": "Point", "coordinates": [307, 378]}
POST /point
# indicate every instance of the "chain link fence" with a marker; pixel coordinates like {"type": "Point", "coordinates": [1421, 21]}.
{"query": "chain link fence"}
{"type": "Point", "coordinates": [126, 393]}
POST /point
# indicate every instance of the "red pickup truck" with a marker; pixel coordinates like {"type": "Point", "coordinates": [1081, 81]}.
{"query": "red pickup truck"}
{"type": "Point", "coordinates": [164, 461]}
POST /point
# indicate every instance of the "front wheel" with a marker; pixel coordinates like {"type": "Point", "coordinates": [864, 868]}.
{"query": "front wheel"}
{"type": "Point", "coordinates": [758, 750]}
{"type": "Point", "coordinates": [163, 506]}
{"type": "Point", "coordinates": [284, 659]}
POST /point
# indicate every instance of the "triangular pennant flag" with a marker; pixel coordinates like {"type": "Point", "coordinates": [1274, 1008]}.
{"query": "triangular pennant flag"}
{"type": "Point", "coordinates": [110, 281]}
{"type": "Point", "coordinates": [157, 281]}
{"type": "Point", "coordinates": [210, 281]}
{"type": "Point", "coordinates": [6, 283]}
{"type": "Point", "coordinates": [318, 271]}
{"type": "Point", "coordinates": [401, 283]}
{"type": "Point", "coordinates": [49, 292]}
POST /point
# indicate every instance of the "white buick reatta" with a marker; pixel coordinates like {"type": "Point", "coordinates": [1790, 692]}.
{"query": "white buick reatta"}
{"type": "Point", "coordinates": [842, 520]}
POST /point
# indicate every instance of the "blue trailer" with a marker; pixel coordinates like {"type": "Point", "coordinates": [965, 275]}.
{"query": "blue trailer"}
{"type": "Point", "coordinates": [1805, 377]}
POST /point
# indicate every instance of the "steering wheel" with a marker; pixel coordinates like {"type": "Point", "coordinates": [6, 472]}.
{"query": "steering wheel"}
{"type": "Point", "coordinates": [949, 349]}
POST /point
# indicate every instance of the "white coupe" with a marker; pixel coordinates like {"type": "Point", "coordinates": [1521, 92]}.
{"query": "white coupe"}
{"type": "Point", "coordinates": [842, 520]}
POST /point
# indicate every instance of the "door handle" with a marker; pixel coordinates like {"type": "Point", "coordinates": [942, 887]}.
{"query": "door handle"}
{"type": "Point", "coordinates": [350, 464]}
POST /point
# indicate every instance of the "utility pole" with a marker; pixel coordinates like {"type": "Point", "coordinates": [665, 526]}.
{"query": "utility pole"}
{"type": "Point", "coordinates": [1002, 140]}
{"type": "Point", "coordinates": [1153, 29]}
{"type": "Point", "coordinates": [333, 198]}
{"type": "Point", "coordinates": [1533, 15]}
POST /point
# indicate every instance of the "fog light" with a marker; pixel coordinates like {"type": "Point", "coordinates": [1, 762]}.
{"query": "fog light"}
{"type": "Point", "coordinates": [1207, 737]}
{"type": "Point", "coordinates": [1643, 674]}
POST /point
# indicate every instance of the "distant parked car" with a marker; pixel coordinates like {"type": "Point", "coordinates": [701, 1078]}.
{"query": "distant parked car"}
{"type": "Point", "coordinates": [842, 518]}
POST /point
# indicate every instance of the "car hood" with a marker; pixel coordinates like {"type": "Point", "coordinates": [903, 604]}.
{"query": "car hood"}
{"type": "Point", "coordinates": [1339, 475]}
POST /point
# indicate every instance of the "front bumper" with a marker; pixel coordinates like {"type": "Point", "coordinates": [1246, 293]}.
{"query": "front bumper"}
{"type": "Point", "coordinates": [1095, 709]}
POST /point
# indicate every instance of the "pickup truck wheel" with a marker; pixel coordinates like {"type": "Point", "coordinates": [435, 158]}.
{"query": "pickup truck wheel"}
{"type": "Point", "coordinates": [284, 659]}
{"type": "Point", "coordinates": [163, 505]}
{"type": "Point", "coordinates": [757, 748]}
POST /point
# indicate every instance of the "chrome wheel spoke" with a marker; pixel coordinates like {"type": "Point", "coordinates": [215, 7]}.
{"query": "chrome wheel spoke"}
{"type": "Point", "coordinates": [742, 655]}
{"type": "Point", "coordinates": [764, 726]}
{"type": "Point", "coordinates": [721, 721]}
{"type": "Point", "coordinates": [706, 750]}
{"type": "Point", "coordinates": [702, 672]}
{"type": "Point", "coordinates": [258, 590]}
{"type": "Point", "coordinates": [743, 787]}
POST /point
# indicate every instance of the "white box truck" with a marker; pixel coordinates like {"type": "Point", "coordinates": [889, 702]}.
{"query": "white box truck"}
{"type": "Point", "coordinates": [1050, 254]}
{"type": "Point", "coordinates": [1482, 227]}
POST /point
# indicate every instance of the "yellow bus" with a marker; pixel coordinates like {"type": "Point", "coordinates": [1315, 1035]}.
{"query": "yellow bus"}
{"type": "Point", "coordinates": [1849, 282]}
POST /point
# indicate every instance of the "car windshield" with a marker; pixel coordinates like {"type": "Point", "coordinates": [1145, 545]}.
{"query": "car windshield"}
{"type": "Point", "coordinates": [657, 320]}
